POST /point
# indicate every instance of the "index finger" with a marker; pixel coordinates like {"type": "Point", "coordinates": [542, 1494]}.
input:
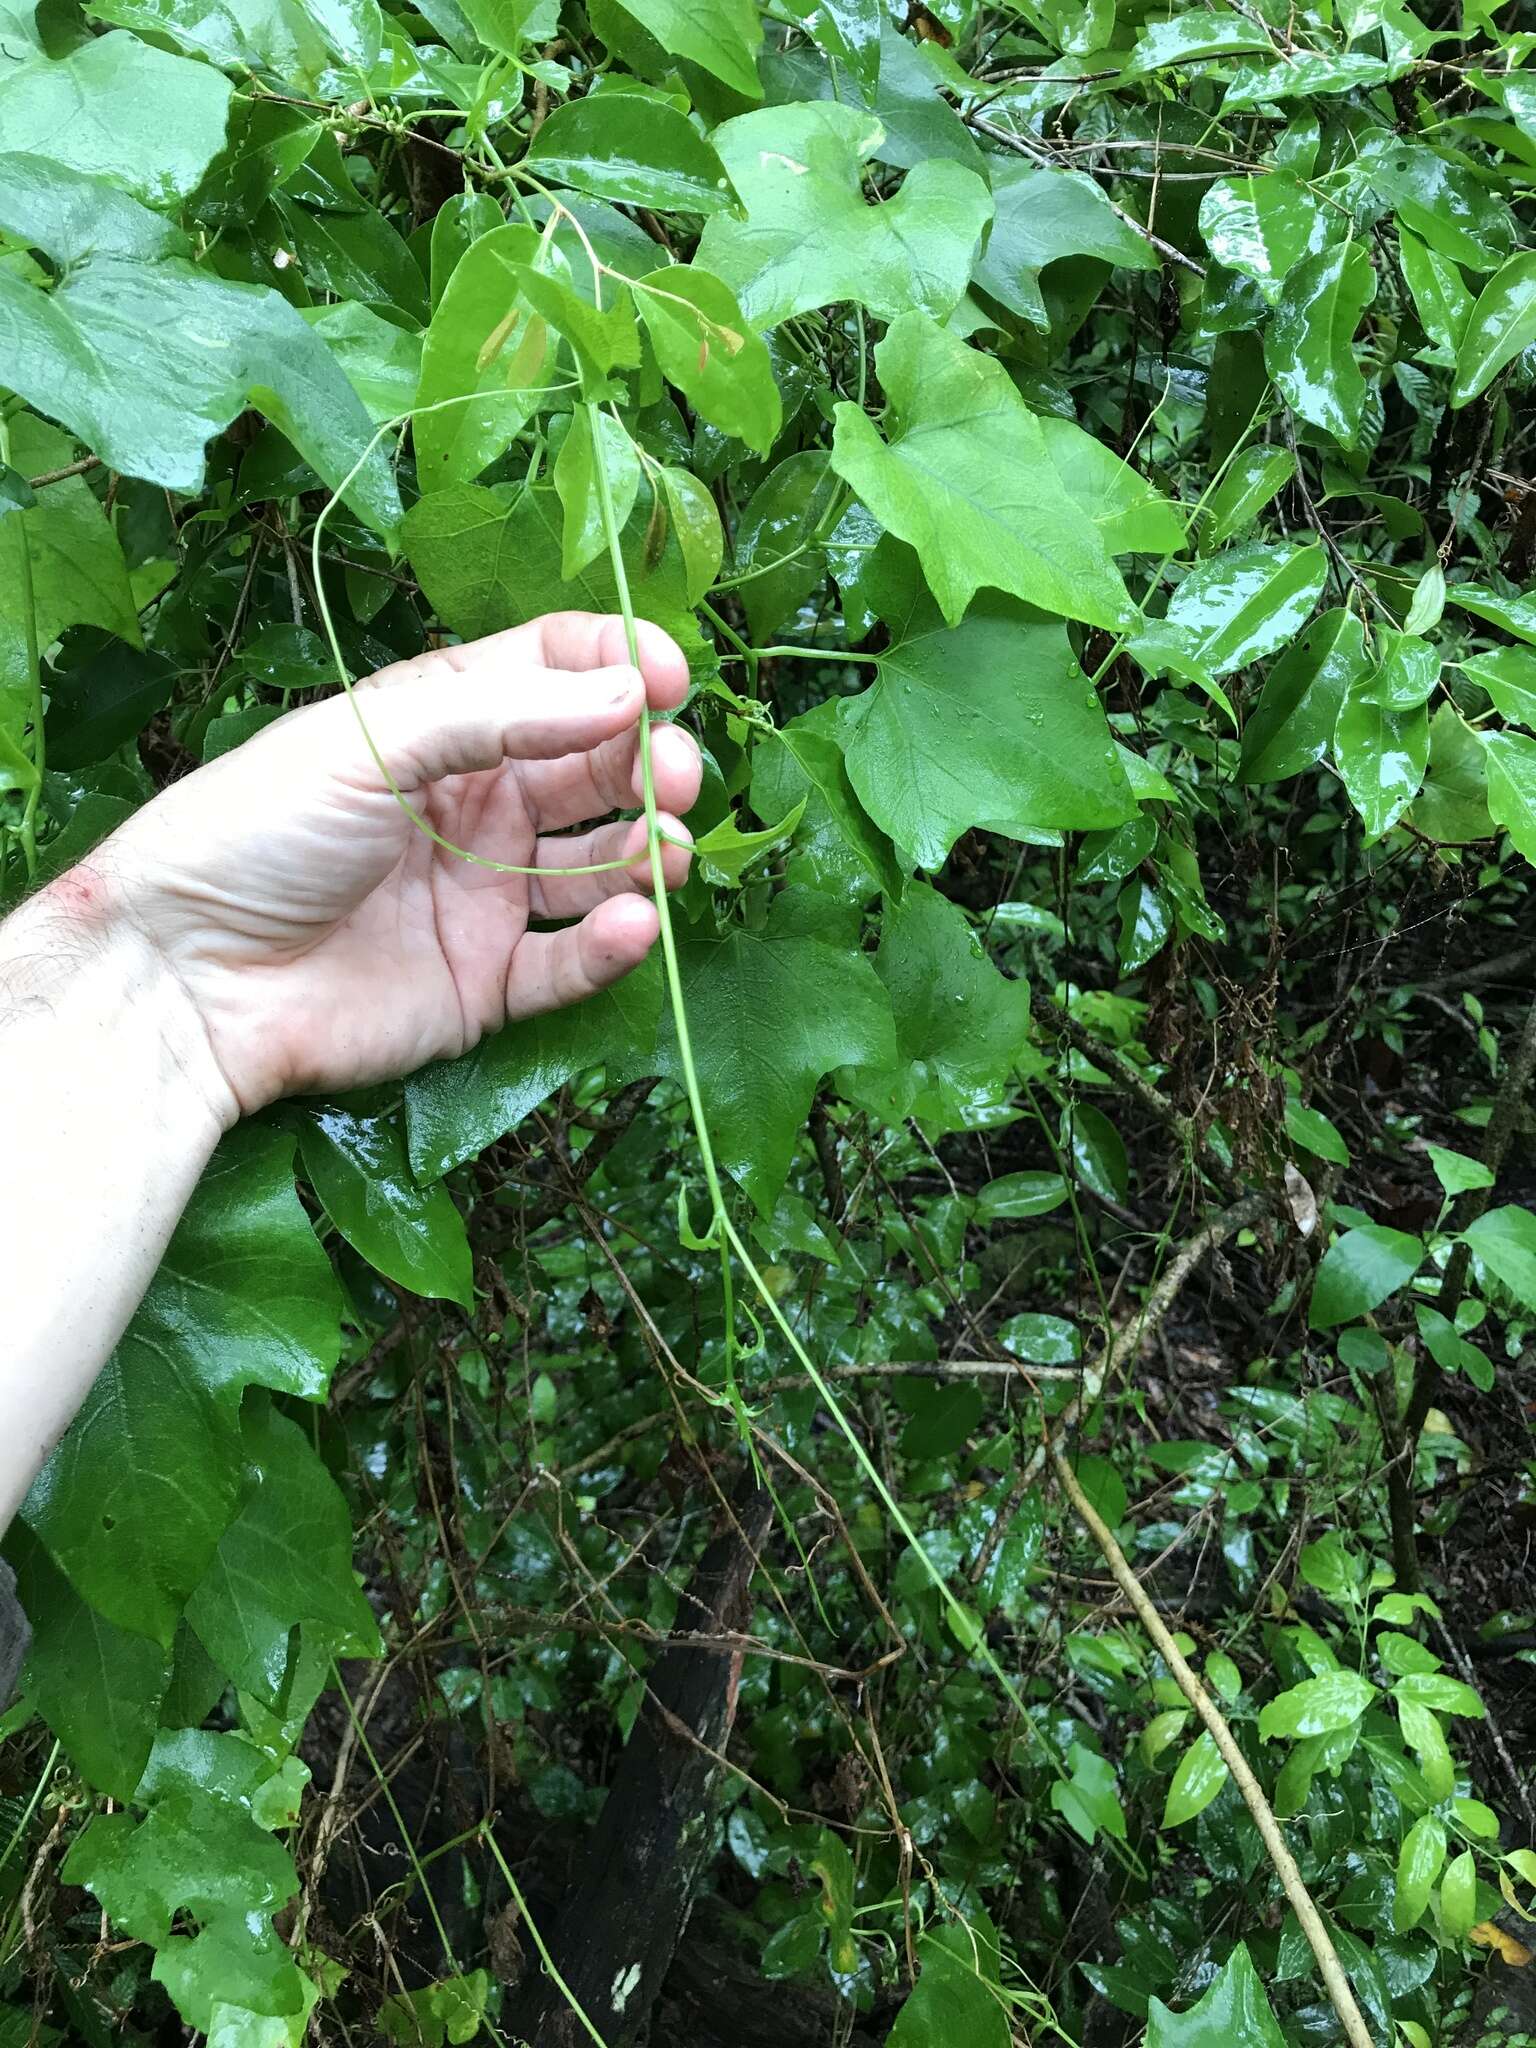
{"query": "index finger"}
{"type": "Point", "coordinates": [583, 640]}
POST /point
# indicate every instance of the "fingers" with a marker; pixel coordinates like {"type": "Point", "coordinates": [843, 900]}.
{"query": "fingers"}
{"type": "Point", "coordinates": [574, 895]}
{"type": "Point", "coordinates": [551, 969]}
{"type": "Point", "coordinates": [583, 640]}
{"type": "Point", "coordinates": [561, 686]}
{"type": "Point", "coordinates": [433, 723]}
{"type": "Point", "coordinates": [676, 769]}
{"type": "Point", "coordinates": [568, 642]}
{"type": "Point", "coordinates": [584, 786]}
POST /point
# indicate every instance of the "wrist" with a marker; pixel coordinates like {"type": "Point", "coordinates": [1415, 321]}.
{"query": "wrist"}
{"type": "Point", "coordinates": [111, 1104]}
{"type": "Point", "coordinates": [75, 953]}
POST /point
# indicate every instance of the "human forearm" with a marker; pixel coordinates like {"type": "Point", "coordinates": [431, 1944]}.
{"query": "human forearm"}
{"type": "Point", "coordinates": [110, 1105]}
{"type": "Point", "coordinates": [311, 912]}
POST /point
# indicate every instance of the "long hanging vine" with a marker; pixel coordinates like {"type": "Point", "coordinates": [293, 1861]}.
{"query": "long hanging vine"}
{"type": "Point", "coordinates": [721, 1232]}
{"type": "Point", "coordinates": [1119, 422]}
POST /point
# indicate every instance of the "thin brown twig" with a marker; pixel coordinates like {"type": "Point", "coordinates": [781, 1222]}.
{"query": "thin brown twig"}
{"type": "Point", "coordinates": [237, 620]}
{"type": "Point", "coordinates": [333, 1812]}
{"type": "Point", "coordinates": [1003, 1520]}
{"type": "Point", "coordinates": [915, 1369]}
{"type": "Point", "coordinates": [34, 1879]}
{"type": "Point", "coordinates": [1310, 1920]}
{"type": "Point", "coordinates": [1125, 1071]}
{"type": "Point", "coordinates": [1519, 1780]}
{"type": "Point", "coordinates": [450, 1545]}
{"type": "Point", "coordinates": [1021, 148]}
{"type": "Point", "coordinates": [679, 1374]}
{"type": "Point", "coordinates": [1135, 1331]}
{"type": "Point", "coordinates": [1511, 965]}
{"type": "Point", "coordinates": [532, 1625]}
{"type": "Point", "coordinates": [58, 476]}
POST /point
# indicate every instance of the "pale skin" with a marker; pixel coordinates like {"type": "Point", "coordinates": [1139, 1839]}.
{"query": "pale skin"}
{"type": "Point", "coordinates": [276, 924]}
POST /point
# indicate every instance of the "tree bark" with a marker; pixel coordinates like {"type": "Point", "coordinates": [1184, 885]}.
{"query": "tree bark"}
{"type": "Point", "coordinates": [615, 1936]}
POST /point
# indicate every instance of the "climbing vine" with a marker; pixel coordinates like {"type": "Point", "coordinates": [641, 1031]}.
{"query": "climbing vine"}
{"type": "Point", "coordinates": [974, 1413]}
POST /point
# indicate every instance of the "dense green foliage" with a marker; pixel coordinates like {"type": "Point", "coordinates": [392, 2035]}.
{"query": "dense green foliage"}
{"type": "Point", "coordinates": [1081, 449]}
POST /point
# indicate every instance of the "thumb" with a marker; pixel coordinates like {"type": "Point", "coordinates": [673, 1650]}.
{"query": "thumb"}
{"type": "Point", "coordinates": [427, 719]}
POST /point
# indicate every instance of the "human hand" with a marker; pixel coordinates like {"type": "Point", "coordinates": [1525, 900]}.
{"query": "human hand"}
{"type": "Point", "coordinates": [324, 941]}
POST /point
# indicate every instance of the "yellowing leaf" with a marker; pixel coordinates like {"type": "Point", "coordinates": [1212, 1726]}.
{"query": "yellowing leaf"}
{"type": "Point", "coordinates": [685, 311]}
{"type": "Point", "coordinates": [1488, 1934]}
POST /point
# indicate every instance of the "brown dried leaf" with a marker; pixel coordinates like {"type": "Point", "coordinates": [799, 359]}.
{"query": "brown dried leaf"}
{"type": "Point", "coordinates": [1300, 1199]}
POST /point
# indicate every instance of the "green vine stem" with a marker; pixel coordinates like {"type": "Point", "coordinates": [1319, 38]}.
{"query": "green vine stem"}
{"type": "Point", "coordinates": [8, 1938]}
{"type": "Point", "coordinates": [653, 835]}
{"type": "Point", "coordinates": [577, 2010]}
{"type": "Point", "coordinates": [348, 684]}
{"type": "Point", "coordinates": [34, 669]}
{"type": "Point", "coordinates": [722, 1229]}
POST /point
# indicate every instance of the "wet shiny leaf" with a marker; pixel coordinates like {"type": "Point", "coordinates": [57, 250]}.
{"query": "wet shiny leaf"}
{"type": "Point", "coordinates": [1262, 227]}
{"type": "Point", "coordinates": [1248, 601]}
{"type": "Point", "coordinates": [1359, 1270]}
{"type": "Point", "coordinates": [1381, 756]}
{"type": "Point", "coordinates": [1233, 2013]}
{"type": "Point", "coordinates": [629, 147]}
{"type": "Point", "coordinates": [1293, 723]}
{"type": "Point", "coordinates": [1310, 345]}
{"type": "Point", "coordinates": [1500, 325]}
{"type": "Point", "coordinates": [722, 35]}
{"type": "Point", "coordinates": [411, 1233]}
